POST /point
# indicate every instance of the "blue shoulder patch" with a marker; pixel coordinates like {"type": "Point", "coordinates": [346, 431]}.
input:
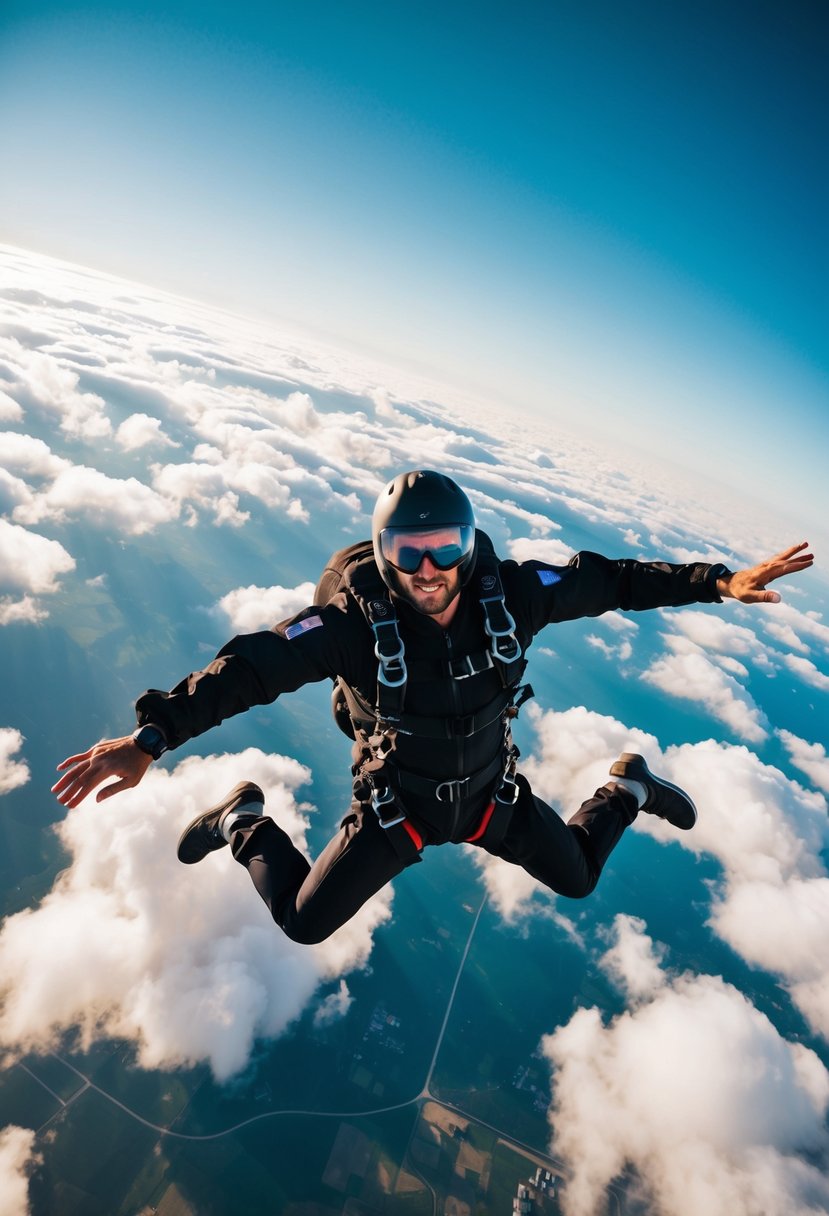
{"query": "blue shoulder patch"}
{"type": "Point", "coordinates": [300, 627]}
{"type": "Point", "coordinates": [549, 577]}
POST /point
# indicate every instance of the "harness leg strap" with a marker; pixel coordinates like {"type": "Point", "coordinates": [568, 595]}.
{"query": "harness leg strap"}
{"type": "Point", "coordinates": [493, 826]}
{"type": "Point", "coordinates": [402, 835]}
{"type": "Point", "coordinates": [406, 841]}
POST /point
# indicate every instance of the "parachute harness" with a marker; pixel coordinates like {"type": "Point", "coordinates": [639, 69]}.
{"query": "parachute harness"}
{"type": "Point", "coordinates": [372, 773]}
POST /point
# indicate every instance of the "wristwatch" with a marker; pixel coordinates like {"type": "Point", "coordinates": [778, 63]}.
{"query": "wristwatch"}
{"type": "Point", "coordinates": [718, 570]}
{"type": "Point", "coordinates": [151, 740]}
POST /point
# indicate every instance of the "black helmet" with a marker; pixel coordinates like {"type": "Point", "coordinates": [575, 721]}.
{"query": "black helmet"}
{"type": "Point", "coordinates": [425, 501]}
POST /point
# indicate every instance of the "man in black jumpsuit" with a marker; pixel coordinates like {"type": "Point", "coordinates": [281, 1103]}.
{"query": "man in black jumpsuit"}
{"type": "Point", "coordinates": [438, 765]}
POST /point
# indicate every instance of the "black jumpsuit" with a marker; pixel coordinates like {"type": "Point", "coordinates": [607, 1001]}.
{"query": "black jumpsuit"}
{"type": "Point", "coordinates": [310, 901]}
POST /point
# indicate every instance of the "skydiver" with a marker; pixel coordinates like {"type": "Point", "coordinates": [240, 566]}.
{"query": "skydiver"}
{"type": "Point", "coordinates": [425, 633]}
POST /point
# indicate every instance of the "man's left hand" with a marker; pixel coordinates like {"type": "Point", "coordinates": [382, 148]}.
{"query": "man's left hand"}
{"type": "Point", "coordinates": [749, 586]}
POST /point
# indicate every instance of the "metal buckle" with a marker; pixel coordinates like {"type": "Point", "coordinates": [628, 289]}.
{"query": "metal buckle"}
{"type": "Point", "coordinates": [471, 669]}
{"type": "Point", "coordinates": [381, 798]}
{"type": "Point", "coordinates": [384, 678]}
{"type": "Point", "coordinates": [498, 633]}
{"type": "Point", "coordinates": [507, 781]}
{"type": "Point", "coordinates": [455, 789]}
{"type": "Point", "coordinates": [501, 637]}
{"type": "Point", "coordinates": [388, 660]}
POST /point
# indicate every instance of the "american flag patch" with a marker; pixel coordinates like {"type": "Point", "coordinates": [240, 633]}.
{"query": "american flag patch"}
{"type": "Point", "coordinates": [298, 627]}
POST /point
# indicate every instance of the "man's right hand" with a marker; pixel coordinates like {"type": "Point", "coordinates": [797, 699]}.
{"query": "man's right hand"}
{"type": "Point", "coordinates": [121, 758]}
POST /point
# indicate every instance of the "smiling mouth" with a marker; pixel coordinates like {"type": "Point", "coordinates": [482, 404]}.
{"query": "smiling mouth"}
{"type": "Point", "coordinates": [428, 587]}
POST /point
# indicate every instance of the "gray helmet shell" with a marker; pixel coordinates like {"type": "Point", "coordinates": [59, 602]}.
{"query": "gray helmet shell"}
{"type": "Point", "coordinates": [423, 499]}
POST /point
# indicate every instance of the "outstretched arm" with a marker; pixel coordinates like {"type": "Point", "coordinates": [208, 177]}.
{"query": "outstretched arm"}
{"type": "Point", "coordinates": [121, 758]}
{"type": "Point", "coordinates": [749, 586]}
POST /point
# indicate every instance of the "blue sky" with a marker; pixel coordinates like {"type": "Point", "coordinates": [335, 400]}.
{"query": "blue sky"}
{"type": "Point", "coordinates": [614, 215]}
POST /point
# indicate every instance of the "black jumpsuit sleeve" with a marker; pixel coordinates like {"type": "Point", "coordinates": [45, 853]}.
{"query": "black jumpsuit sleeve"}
{"type": "Point", "coordinates": [591, 584]}
{"type": "Point", "coordinates": [253, 669]}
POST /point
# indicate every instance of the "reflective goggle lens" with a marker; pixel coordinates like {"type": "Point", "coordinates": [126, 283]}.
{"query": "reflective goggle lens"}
{"type": "Point", "coordinates": [406, 548]}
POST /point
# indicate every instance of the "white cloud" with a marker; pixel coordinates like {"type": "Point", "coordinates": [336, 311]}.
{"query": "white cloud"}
{"type": "Point", "coordinates": [574, 753]}
{"type": "Point", "coordinates": [783, 620]}
{"type": "Point", "coordinates": [633, 961]}
{"type": "Point", "coordinates": [13, 492]}
{"type": "Point", "coordinates": [516, 895]}
{"type": "Point", "coordinates": [810, 758]}
{"type": "Point", "coordinates": [13, 773]}
{"type": "Point", "coordinates": [619, 622]}
{"type": "Point", "coordinates": [27, 611]}
{"type": "Point", "coordinates": [334, 1006]}
{"type": "Point", "coordinates": [82, 415]}
{"type": "Point", "coordinates": [526, 548]}
{"type": "Point", "coordinates": [761, 825]}
{"type": "Point", "coordinates": [205, 486]}
{"type": "Point", "coordinates": [699, 552]}
{"type": "Point", "coordinates": [140, 431]}
{"type": "Point", "coordinates": [30, 562]}
{"type": "Point", "coordinates": [186, 962]}
{"type": "Point", "coordinates": [808, 672]}
{"type": "Point", "coordinates": [713, 632]}
{"type": "Point", "coordinates": [26, 455]}
{"type": "Point", "coordinates": [251, 608]}
{"type": "Point", "coordinates": [621, 653]}
{"type": "Point", "coordinates": [10, 411]}
{"type": "Point", "coordinates": [766, 831]}
{"type": "Point", "coordinates": [120, 504]}
{"type": "Point", "coordinates": [786, 635]}
{"type": "Point", "coordinates": [782, 928]}
{"type": "Point", "coordinates": [295, 510]}
{"type": "Point", "coordinates": [17, 1160]}
{"type": "Point", "coordinates": [513, 892]}
{"type": "Point", "coordinates": [697, 1091]}
{"type": "Point", "coordinates": [694, 677]}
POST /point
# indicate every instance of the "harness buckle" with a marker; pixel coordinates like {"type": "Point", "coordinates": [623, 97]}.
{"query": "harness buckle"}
{"type": "Point", "coordinates": [389, 659]}
{"type": "Point", "coordinates": [468, 668]}
{"type": "Point", "coordinates": [456, 789]}
{"type": "Point", "coordinates": [505, 645]}
{"type": "Point", "coordinates": [384, 798]}
{"type": "Point", "coordinates": [507, 792]}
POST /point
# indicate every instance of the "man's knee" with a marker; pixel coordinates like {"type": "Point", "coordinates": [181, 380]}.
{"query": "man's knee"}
{"type": "Point", "coordinates": [577, 886]}
{"type": "Point", "coordinates": [303, 929]}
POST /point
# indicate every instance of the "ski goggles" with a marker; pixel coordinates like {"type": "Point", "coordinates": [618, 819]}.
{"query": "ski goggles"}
{"type": "Point", "coordinates": [405, 548]}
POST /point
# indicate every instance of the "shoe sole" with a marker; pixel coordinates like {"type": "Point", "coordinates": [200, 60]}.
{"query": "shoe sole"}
{"type": "Point", "coordinates": [191, 846]}
{"type": "Point", "coordinates": [635, 767]}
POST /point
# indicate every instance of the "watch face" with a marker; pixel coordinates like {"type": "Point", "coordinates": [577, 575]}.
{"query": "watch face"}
{"type": "Point", "coordinates": [151, 740]}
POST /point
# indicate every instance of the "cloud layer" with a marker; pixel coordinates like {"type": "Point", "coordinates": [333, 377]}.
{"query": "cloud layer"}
{"type": "Point", "coordinates": [693, 1088]}
{"type": "Point", "coordinates": [17, 1159]}
{"type": "Point", "coordinates": [767, 832]}
{"type": "Point", "coordinates": [13, 772]}
{"type": "Point", "coordinates": [184, 962]}
{"type": "Point", "coordinates": [134, 419]}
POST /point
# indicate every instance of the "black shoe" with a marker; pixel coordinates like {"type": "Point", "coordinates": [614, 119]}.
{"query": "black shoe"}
{"type": "Point", "coordinates": [665, 800]}
{"type": "Point", "coordinates": [204, 834]}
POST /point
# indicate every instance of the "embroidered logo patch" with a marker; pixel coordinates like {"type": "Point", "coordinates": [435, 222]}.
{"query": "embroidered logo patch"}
{"type": "Point", "coordinates": [549, 577]}
{"type": "Point", "coordinates": [298, 627]}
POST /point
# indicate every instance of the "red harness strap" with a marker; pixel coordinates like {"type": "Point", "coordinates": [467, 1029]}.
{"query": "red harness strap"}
{"type": "Point", "coordinates": [484, 824]}
{"type": "Point", "coordinates": [417, 839]}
